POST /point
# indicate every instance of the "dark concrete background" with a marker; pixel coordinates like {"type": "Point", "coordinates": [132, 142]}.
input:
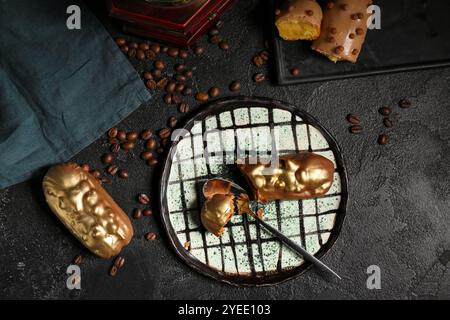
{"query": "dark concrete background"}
{"type": "Point", "coordinates": [398, 215]}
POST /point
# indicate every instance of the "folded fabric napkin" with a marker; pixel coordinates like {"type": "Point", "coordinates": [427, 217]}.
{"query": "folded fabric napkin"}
{"type": "Point", "coordinates": [60, 89]}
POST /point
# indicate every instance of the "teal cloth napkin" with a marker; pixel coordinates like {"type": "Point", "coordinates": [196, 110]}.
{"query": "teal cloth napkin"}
{"type": "Point", "coordinates": [60, 89]}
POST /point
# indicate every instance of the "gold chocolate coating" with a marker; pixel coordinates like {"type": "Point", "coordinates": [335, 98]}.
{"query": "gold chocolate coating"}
{"type": "Point", "coordinates": [298, 176]}
{"type": "Point", "coordinates": [87, 210]}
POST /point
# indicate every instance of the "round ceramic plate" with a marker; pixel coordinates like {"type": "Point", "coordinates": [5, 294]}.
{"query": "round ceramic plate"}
{"type": "Point", "coordinates": [206, 147]}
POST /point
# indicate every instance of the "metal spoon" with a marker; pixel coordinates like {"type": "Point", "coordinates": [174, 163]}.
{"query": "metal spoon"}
{"type": "Point", "coordinates": [238, 190]}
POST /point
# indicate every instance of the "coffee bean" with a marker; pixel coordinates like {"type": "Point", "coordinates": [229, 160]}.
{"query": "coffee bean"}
{"type": "Point", "coordinates": [202, 96]}
{"type": "Point", "coordinates": [146, 155]}
{"type": "Point", "coordinates": [259, 77]}
{"type": "Point", "coordinates": [160, 150]}
{"type": "Point", "coordinates": [176, 99]}
{"type": "Point", "coordinates": [404, 103]}
{"type": "Point", "coordinates": [133, 45]}
{"type": "Point", "coordinates": [147, 75]}
{"type": "Point", "coordinates": [120, 41]}
{"type": "Point", "coordinates": [162, 83]}
{"type": "Point", "coordinates": [146, 134]}
{"type": "Point", "coordinates": [132, 136]}
{"type": "Point", "coordinates": [383, 139]}
{"type": "Point", "coordinates": [224, 45]}
{"type": "Point", "coordinates": [164, 133]}
{"type": "Point", "coordinates": [78, 259]}
{"type": "Point", "coordinates": [388, 123]}
{"type": "Point", "coordinates": [155, 47]}
{"type": "Point", "coordinates": [85, 167]}
{"type": "Point", "coordinates": [356, 129]}
{"type": "Point", "coordinates": [168, 98]}
{"type": "Point", "coordinates": [105, 180]}
{"type": "Point", "coordinates": [295, 72]}
{"type": "Point", "coordinates": [121, 135]}
{"type": "Point", "coordinates": [112, 140]}
{"type": "Point", "coordinates": [354, 118]}
{"type": "Point", "coordinates": [151, 144]}
{"type": "Point", "coordinates": [214, 92]}
{"type": "Point", "coordinates": [150, 236]}
{"type": "Point", "coordinates": [187, 91]}
{"type": "Point", "coordinates": [115, 148]}
{"type": "Point", "coordinates": [131, 53]}
{"type": "Point", "coordinates": [159, 64]}
{"type": "Point", "coordinates": [179, 67]}
{"type": "Point", "coordinates": [213, 32]}
{"type": "Point", "coordinates": [147, 212]}
{"type": "Point", "coordinates": [199, 51]}
{"type": "Point", "coordinates": [137, 213]}
{"type": "Point", "coordinates": [235, 86]}
{"type": "Point", "coordinates": [95, 173]}
{"type": "Point", "coordinates": [119, 262]}
{"type": "Point", "coordinates": [150, 54]}
{"type": "Point", "coordinates": [144, 46]}
{"type": "Point", "coordinates": [188, 73]}
{"type": "Point", "coordinates": [151, 84]}
{"type": "Point", "coordinates": [152, 162]}
{"type": "Point", "coordinates": [112, 133]}
{"type": "Point", "coordinates": [156, 73]}
{"type": "Point", "coordinates": [164, 49]}
{"type": "Point", "coordinates": [183, 54]}
{"type": "Point", "coordinates": [385, 111]}
{"type": "Point", "coordinates": [107, 158]}
{"type": "Point", "coordinates": [183, 107]}
{"type": "Point", "coordinates": [142, 198]}
{"type": "Point", "coordinates": [172, 122]}
{"type": "Point", "coordinates": [113, 271]}
{"type": "Point", "coordinates": [112, 169]}
{"type": "Point", "coordinates": [140, 55]}
{"type": "Point", "coordinates": [128, 145]}
{"type": "Point", "coordinates": [215, 39]}
{"type": "Point", "coordinates": [170, 87]}
{"type": "Point", "coordinates": [179, 87]}
{"type": "Point", "coordinates": [258, 60]}
{"type": "Point", "coordinates": [124, 49]}
{"type": "Point", "coordinates": [164, 142]}
{"type": "Point", "coordinates": [180, 78]}
{"type": "Point", "coordinates": [122, 173]}
{"type": "Point", "coordinates": [264, 55]}
{"type": "Point", "coordinates": [173, 52]}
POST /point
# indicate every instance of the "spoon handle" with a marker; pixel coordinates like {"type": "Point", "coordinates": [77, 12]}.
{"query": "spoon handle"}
{"type": "Point", "coordinates": [294, 246]}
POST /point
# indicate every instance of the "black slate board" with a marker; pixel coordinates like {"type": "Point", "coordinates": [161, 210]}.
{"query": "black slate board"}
{"type": "Point", "coordinates": [414, 34]}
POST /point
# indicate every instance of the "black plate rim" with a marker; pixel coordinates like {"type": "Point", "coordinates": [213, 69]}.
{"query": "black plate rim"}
{"type": "Point", "coordinates": [230, 103]}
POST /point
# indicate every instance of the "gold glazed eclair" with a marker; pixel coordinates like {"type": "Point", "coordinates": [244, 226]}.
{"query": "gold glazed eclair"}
{"type": "Point", "coordinates": [344, 28]}
{"type": "Point", "coordinates": [299, 20]}
{"type": "Point", "coordinates": [297, 176]}
{"type": "Point", "coordinates": [87, 210]}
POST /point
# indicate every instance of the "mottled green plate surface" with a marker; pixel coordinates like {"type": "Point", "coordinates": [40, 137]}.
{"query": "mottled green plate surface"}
{"type": "Point", "coordinates": [207, 147]}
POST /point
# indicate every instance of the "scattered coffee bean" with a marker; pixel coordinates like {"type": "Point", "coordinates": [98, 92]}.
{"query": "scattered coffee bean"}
{"type": "Point", "coordinates": [259, 77]}
{"type": "Point", "coordinates": [128, 145]}
{"type": "Point", "coordinates": [112, 169]}
{"type": "Point", "coordinates": [115, 148]}
{"type": "Point", "coordinates": [183, 54]}
{"type": "Point", "coordinates": [121, 41]}
{"type": "Point", "coordinates": [133, 45]}
{"type": "Point", "coordinates": [85, 167]}
{"type": "Point", "coordinates": [137, 213]}
{"type": "Point", "coordinates": [404, 103]}
{"type": "Point", "coordinates": [164, 49]}
{"type": "Point", "coordinates": [172, 122]}
{"type": "Point", "coordinates": [176, 99]}
{"type": "Point", "coordinates": [159, 64]}
{"type": "Point", "coordinates": [142, 198]}
{"type": "Point", "coordinates": [224, 45]}
{"type": "Point", "coordinates": [160, 150]}
{"type": "Point", "coordinates": [383, 139]}
{"type": "Point", "coordinates": [144, 46]}
{"type": "Point", "coordinates": [164, 133]}
{"type": "Point", "coordinates": [180, 78]}
{"type": "Point", "coordinates": [235, 86]}
{"type": "Point", "coordinates": [354, 118]}
{"type": "Point", "coordinates": [105, 180]}
{"type": "Point", "coordinates": [162, 83]}
{"type": "Point", "coordinates": [122, 173]}
{"type": "Point", "coordinates": [170, 87]}
{"type": "Point", "coordinates": [183, 108]}
{"type": "Point", "coordinates": [112, 133]}
{"type": "Point", "coordinates": [215, 39]}
{"type": "Point", "coordinates": [388, 123]}
{"type": "Point", "coordinates": [179, 87]}
{"type": "Point", "coordinates": [151, 144]}
{"type": "Point", "coordinates": [146, 134]}
{"type": "Point", "coordinates": [113, 271]}
{"type": "Point", "coordinates": [131, 53]}
{"type": "Point", "coordinates": [152, 162]}
{"type": "Point", "coordinates": [385, 111]}
{"type": "Point", "coordinates": [95, 173]}
{"type": "Point", "coordinates": [132, 136]}
{"type": "Point", "coordinates": [188, 73]}
{"type": "Point", "coordinates": [155, 47]}
{"type": "Point", "coordinates": [264, 55]}
{"type": "Point", "coordinates": [214, 92]}
{"type": "Point", "coordinates": [121, 135]}
{"type": "Point", "coordinates": [187, 91]}
{"type": "Point", "coordinates": [140, 55]}
{"type": "Point", "coordinates": [164, 142]}
{"type": "Point", "coordinates": [295, 71]}
{"type": "Point", "coordinates": [78, 259]}
{"type": "Point", "coordinates": [257, 61]}
{"type": "Point", "coordinates": [202, 96]}
{"type": "Point", "coordinates": [146, 155]}
{"type": "Point", "coordinates": [150, 236]}
{"type": "Point", "coordinates": [112, 140]}
{"type": "Point", "coordinates": [356, 129]}
{"type": "Point", "coordinates": [179, 67]}
{"type": "Point", "coordinates": [168, 98]}
{"type": "Point", "coordinates": [151, 84]}
{"type": "Point", "coordinates": [147, 212]}
{"type": "Point", "coordinates": [124, 49]}
{"type": "Point", "coordinates": [119, 262]}
{"type": "Point", "coordinates": [147, 75]}
{"type": "Point", "coordinates": [150, 54]}
{"type": "Point", "coordinates": [107, 158]}
{"type": "Point", "coordinates": [173, 52]}
{"type": "Point", "coordinates": [199, 51]}
{"type": "Point", "coordinates": [213, 32]}
{"type": "Point", "coordinates": [156, 73]}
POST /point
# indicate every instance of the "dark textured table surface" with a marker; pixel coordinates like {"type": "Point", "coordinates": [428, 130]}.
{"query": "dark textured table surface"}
{"type": "Point", "coordinates": [398, 216]}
